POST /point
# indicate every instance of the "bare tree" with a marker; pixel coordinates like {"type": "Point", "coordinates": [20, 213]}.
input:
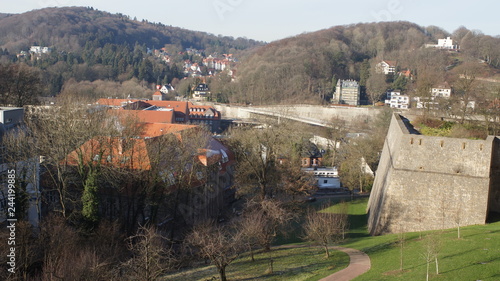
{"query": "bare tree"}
{"type": "Point", "coordinates": [343, 218]}
{"type": "Point", "coordinates": [465, 89]}
{"type": "Point", "coordinates": [376, 85]}
{"type": "Point", "coordinates": [152, 255]}
{"type": "Point", "coordinates": [431, 249]}
{"type": "Point", "coordinates": [216, 243]}
{"type": "Point", "coordinates": [20, 85]}
{"type": "Point", "coordinates": [259, 153]}
{"type": "Point", "coordinates": [60, 131]}
{"type": "Point", "coordinates": [323, 228]}
{"type": "Point", "coordinates": [250, 229]}
{"type": "Point", "coordinates": [457, 216]}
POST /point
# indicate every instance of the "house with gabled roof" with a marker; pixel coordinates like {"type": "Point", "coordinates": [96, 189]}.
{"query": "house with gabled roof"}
{"type": "Point", "coordinates": [386, 67]}
{"type": "Point", "coordinates": [201, 92]}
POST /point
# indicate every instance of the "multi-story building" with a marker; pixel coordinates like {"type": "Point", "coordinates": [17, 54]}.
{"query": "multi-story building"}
{"type": "Point", "coordinates": [396, 100]}
{"type": "Point", "coordinates": [347, 92]}
{"type": "Point", "coordinates": [445, 44]}
{"type": "Point", "coordinates": [201, 92]}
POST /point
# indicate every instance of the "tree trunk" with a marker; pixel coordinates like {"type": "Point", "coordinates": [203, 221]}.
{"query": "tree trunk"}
{"type": "Point", "coordinates": [252, 254]}
{"type": "Point", "coordinates": [427, 276]}
{"type": "Point", "coordinates": [222, 273]}
{"type": "Point", "coordinates": [327, 251]}
{"type": "Point", "coordinates": [437, 265]}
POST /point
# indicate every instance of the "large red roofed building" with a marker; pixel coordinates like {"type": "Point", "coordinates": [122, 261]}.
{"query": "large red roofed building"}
{"type": "Point", "coordinates": [156, 160]}
{"type": "Point", "coordinates": [183, 111]}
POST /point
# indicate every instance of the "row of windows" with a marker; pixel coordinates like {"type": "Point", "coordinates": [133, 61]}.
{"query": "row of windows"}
{"type": "Point", "coordinates": [201, 116]}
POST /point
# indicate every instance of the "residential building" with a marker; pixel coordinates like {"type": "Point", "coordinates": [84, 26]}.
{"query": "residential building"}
{"type": "Point", "coordinates": [165, 89]}
{"type": "Point", "coordinates": [347, 92]}
{"type": "Point", "coordinates": [10, 118]}
{"type": "Point", "coordinates": [204, 114]}
{"type": "Point", "coordinates": [159, 95]}
{"type": "Point", "coordinates": [327, 178]}
{"type": "Point", "coordinates": [201, 92]}
{"type": "Point", "coordinates": [442, 90]}
{"type": "Point", "coordinates": [397, 100]}
{"type": "Point", "coordinates": [445, 44]}
{"type": "Point", "coordinates": [312, 156]}
{"type": "Point", "coordinates": [40, 50]}
{"type": "Point", "coordinates": [386, 67]}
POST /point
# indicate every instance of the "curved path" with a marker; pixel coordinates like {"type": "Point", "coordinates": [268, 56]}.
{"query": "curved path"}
{"type": "Point", "coordinates": [359, 264]}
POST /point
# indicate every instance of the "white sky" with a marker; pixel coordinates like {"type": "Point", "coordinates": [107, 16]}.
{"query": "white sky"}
{"type": "Point", "coordinates": [269, 20]}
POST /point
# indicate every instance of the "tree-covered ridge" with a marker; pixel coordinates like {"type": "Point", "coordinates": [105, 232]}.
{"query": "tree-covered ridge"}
{"type": "Point", "coordinates": [305, 68]}
{"type": "Point", "coordinates": [91, 45]}
{"type": "Point", "coordinates": [70, 29]}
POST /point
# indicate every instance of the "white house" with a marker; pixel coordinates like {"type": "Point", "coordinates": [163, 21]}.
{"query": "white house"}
{"type": "Point", "coordinates": [442, 90]}
{"type": "Point", "coordinates": [396, 100]}
{"type": "Point", "coordinates": [40, 50]}
{"type": "Point", "coordinates": [386, 67]}
{"type": "Point", "coordinates": [446, 44]}
{"type": "Point", "coordinates": [165, 89]}
{"type": "Point", "coordinates": [326, 177]}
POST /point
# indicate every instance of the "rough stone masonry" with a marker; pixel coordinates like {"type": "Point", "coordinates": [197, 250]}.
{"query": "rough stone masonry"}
{"type": "Point", "coordinates": [428, 183]}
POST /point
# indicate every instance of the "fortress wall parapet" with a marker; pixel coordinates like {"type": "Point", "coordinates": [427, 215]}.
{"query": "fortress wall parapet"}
{"type": "Point", "coordinates": [426, 183]}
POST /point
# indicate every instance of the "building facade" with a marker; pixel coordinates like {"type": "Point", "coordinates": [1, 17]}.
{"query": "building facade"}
{"type": "Point", "coordinates": [396, 100]}
{"type": "Point", "coordinates": [347, 92]}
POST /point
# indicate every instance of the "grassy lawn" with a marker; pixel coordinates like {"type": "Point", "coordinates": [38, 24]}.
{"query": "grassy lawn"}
{"type": "Point", "coordinates": [475, 256]}
{"type": "Point", "coordinates": [290, 262]}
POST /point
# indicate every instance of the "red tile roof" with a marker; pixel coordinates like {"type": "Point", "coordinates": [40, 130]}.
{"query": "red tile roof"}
{"type": "Point", "coordinates": [145, 116]}
{"type": "Point", "coordinates": [151, 130]}
{"type": "Point", "coordinates": [390, 62]}
{"type": "Point", "coordinates": [128, 154]}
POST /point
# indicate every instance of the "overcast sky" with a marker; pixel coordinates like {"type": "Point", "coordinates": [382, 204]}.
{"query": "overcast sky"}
{"type": "Point", "coordinates": [270, 20]}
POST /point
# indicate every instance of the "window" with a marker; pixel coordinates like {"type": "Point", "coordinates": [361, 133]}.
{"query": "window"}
{"type": "Point", "coordinates": [325, 181]}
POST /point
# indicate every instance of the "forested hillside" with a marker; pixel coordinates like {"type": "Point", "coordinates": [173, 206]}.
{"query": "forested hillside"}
{"type": "Point", "coordinates": [305, 68]}
{"type": "Point", "coordinates": [71, 29]}
{"type": "Point", "coordinates": [98, 54]}
{"type": "Point", "coordinates": [91, 45]}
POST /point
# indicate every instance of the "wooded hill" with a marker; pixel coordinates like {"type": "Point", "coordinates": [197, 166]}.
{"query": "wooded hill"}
{"type": "Point", "coordinates": [70, 29]}
{"type": "Point", "coordinates": [305, 68]}
{"type": "Point", "coordinates": [88, 45]}
{"type": "Point", "coordinates": [91, 46]}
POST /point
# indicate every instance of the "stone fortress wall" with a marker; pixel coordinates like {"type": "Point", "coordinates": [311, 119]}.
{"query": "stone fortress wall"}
{"type": "Point", "coordinates": [427, 183]}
